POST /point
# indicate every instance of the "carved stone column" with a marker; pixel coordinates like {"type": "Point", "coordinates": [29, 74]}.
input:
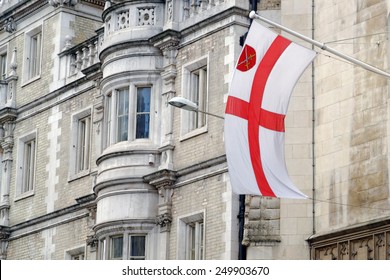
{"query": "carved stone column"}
{"type": "Point", "coordinates": [168, 43]}
{"type": "Point", "coordinates": [4, 235]}
{"type": "Point", "coordinates": [7, 122]}
{"type": "Point", "coordinates": [10, 100]}
{"type": "Point", "coordinates": [163, 180]}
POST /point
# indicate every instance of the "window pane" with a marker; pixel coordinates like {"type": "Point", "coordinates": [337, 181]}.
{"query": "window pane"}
{"type": "Point", "coordinates": [122, 115]}
{"type": "Point", "coordinates": [137, 247]}
{"type": "Point", "coordinates": [3, 66]}
{"type": "Point", "coordinates": [116, 247]}
{"type": "Point", "coordinates": [142, 130]}
{"type": "Point", "coordinates": [83, 138]}
{"type": "Point", "coordinates": [143, 113]}
{"type": "Point", "coordinates": [28, 166]}
{"type": "Point", "coordinates": [143, 99]}
{"type": "Point", "coordinates": [35, 55]}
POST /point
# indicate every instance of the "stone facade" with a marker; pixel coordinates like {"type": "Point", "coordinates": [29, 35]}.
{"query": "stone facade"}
{"type": "Point", "coordinates": [95, 164]}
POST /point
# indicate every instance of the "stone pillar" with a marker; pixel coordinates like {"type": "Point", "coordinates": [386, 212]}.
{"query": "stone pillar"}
{"type": "Point", "coordinates": [167, 43]}
{"type": "Point", "coordinates": [163, 180]}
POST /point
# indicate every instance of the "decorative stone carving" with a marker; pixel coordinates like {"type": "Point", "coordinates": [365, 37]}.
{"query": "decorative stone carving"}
{"type": "Point", "coordinates": [92, 241]}
{"type": "Point", "coordinates": [56, 3]}
{"type": "Point", "coordinates": [164, 221]}
{"type": "Point", "coordinates": [169, 6]}
{"type": "Point", "coordinates": [123, 20]}
{"type": "Point", "coordinates": [146, 16]}
{"type": "Point", "coordinates": [13, 65]}
{"type": "Point", "coordinates": [10, 25]}
{"type": "Point", "coordinates": [354, 244]}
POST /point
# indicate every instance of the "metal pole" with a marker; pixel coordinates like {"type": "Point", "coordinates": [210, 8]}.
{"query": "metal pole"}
{"type": "Point", "coordinates": [322, 46]}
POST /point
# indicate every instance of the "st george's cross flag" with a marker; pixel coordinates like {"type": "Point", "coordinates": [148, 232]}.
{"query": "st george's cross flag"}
{"type": "Point", "coordinates": [266, 72]}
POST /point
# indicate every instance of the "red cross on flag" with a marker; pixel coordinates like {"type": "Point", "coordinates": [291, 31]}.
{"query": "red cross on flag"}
{"type": "Point", "coordinates": [266, 73]}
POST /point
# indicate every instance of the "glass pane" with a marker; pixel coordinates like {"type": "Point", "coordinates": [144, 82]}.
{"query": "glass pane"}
{"type": "Point", "coordinates": [123, 102]}
{"type": "Point", "coordinates": [123, 128]}
{"type": "Point", "coordinates": [137, 246]}
{"type": "Point", "coordinates": [116, 247]}
{"type": "Point", "coordinates": [143, 99]}
{"type": "Point", "coordinates": [142, 129]}
{"type": "Point", "coordinates": [123, 115]}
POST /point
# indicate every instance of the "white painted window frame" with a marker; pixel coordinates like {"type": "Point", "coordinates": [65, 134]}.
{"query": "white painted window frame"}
{"type": "Point", "coordinates": [186, 224]}
{"type": "Point", "coordinates": [76, 168]}
{"type": "Point", "coordinates": [111, 114]}
{"type": "Point", "coordinates": [198, 68]}
{"type": "Point", "coordinates": [31, 54]}
{"type": "Point", "coordinates": [23, 161]}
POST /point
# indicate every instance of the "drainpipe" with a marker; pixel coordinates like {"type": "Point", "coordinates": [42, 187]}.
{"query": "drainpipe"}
{"type": "Point", "coordinates": [313, 121]}
{"type": "Point", "coordinates": [241, 214]}
{"type": "Point", "coordinates": [313, 135]}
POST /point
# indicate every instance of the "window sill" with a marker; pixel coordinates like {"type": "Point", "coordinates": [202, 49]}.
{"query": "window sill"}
{"type": "Point", "coordinates": [194, 133]}
{"type": "Point", "coordinates": [25, 83]}
{"type": "Point", "coordinates": [24, 195]}
{"type": "Point", "coordinates": [79, 175]}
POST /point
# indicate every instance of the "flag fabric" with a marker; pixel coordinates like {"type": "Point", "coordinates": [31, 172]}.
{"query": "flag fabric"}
{"type": "Point", "coordinates": [267, 70]}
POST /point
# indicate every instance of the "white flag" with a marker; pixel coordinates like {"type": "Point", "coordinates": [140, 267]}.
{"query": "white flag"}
{"type": "Point", "coordinates": [267, 70]}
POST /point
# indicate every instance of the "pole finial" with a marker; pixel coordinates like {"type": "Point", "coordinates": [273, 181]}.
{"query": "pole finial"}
{"type": "Point", "coordinates": [252, 14]}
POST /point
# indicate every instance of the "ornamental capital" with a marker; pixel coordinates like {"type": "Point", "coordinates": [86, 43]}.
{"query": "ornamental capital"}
{"type": "Point", "coordinates": [56, 3]}
{"type": "Point", "coordinates": [10, 25]}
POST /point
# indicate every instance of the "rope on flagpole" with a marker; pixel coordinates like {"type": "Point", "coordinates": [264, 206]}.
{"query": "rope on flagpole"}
{"type": "Point", "coordinates": [322, 46]}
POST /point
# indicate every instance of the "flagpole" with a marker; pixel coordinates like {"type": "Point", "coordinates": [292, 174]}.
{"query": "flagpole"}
{"type": "Point", "coordinates": [322, 46]}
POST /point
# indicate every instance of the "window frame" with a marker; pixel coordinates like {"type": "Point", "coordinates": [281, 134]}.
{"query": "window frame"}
{"type": "Point", "coordinates": [129, 255]}
{"type": "Point", "coordinates": [111, 114]}
{"type": "Point", "coordinates": [105, 246]}
{"type": "Point", "coordinates": [191, 237]}
{"type": "Point", "coordinates": [75, 253]}
{"type": "Point", "coordinates": [191, 71]}
{"type": "Point", "coordinates": [3, 64]}
{"type": "Point", "coordinates": [32, 70]}
{"type": "Point", "coordinates": [22, 161]}
{"type": "Point", "coordinates": [111, 247]}
{"type": "Point", "coordinates": [79, 170]}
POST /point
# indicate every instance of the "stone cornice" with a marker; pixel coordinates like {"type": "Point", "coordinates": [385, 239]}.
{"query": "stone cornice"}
{"type": "Point", "coordinates": [354, 231]}
{"type": "Point", "coordinates": [82, 203]}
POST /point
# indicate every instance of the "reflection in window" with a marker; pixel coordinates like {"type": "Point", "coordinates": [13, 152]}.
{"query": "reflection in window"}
{"type": "Point", "coordinates": [137, 247]}
{"type": "Point", "coordinates": [116, 248]}
{"type": "Point", "coordinates": [143, 112]}
{"type": "Point", "coordinates": [122, 115]}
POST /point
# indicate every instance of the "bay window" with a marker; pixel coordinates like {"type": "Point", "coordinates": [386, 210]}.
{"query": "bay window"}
{"type": "Point", "coordinates": [128, 114]}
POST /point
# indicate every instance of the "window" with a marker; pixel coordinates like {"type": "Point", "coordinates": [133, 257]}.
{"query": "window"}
{"type": "Point", "coordinates": [81, 144]}
{"type": "Point", "coordinates": [197, 94]}
{"type": "Point", "coordinates": [129, 120]}
{"type": "Point", "coordinates": [137, 247]}
{"type": "Point", "coordinates": [194, 241]}
{"type": "Point", "coordinates": [3, 66]}
{"type": "Point", "coordinates": [122, 115]}
{"type": "Point", "coordinates": [33, 52]}
{"type": "Point", "coordinates": [143, 113]}
{"type": "Point", "coordinates": [195, 88]}
{"type": "Point", "coordinates": [76, 254]}
{"type": "Point", "coordinates": [116, 248]}
{"type": "Point", "coordinates": [191, 237]}
{"type": "Point", "coordinates": [102, 249]}
{"type": "Point", "coordinates": [26, 164]}
{"type": "Point", "coordinates": [35, 55]}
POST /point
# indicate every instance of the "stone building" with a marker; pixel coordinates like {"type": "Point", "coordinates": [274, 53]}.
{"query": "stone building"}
{"type": "Point", "coordinates": [95, 164]}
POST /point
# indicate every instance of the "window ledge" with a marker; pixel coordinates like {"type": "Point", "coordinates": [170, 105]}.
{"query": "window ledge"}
{"type": "Point", "coordinates": [25, 83]}
{"type": "Point", "coordinates": [78, 175]}
{"type": "Point", "coordinates": [194, 133]}
{"type": "Point", "coordinates": [24, 195]}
